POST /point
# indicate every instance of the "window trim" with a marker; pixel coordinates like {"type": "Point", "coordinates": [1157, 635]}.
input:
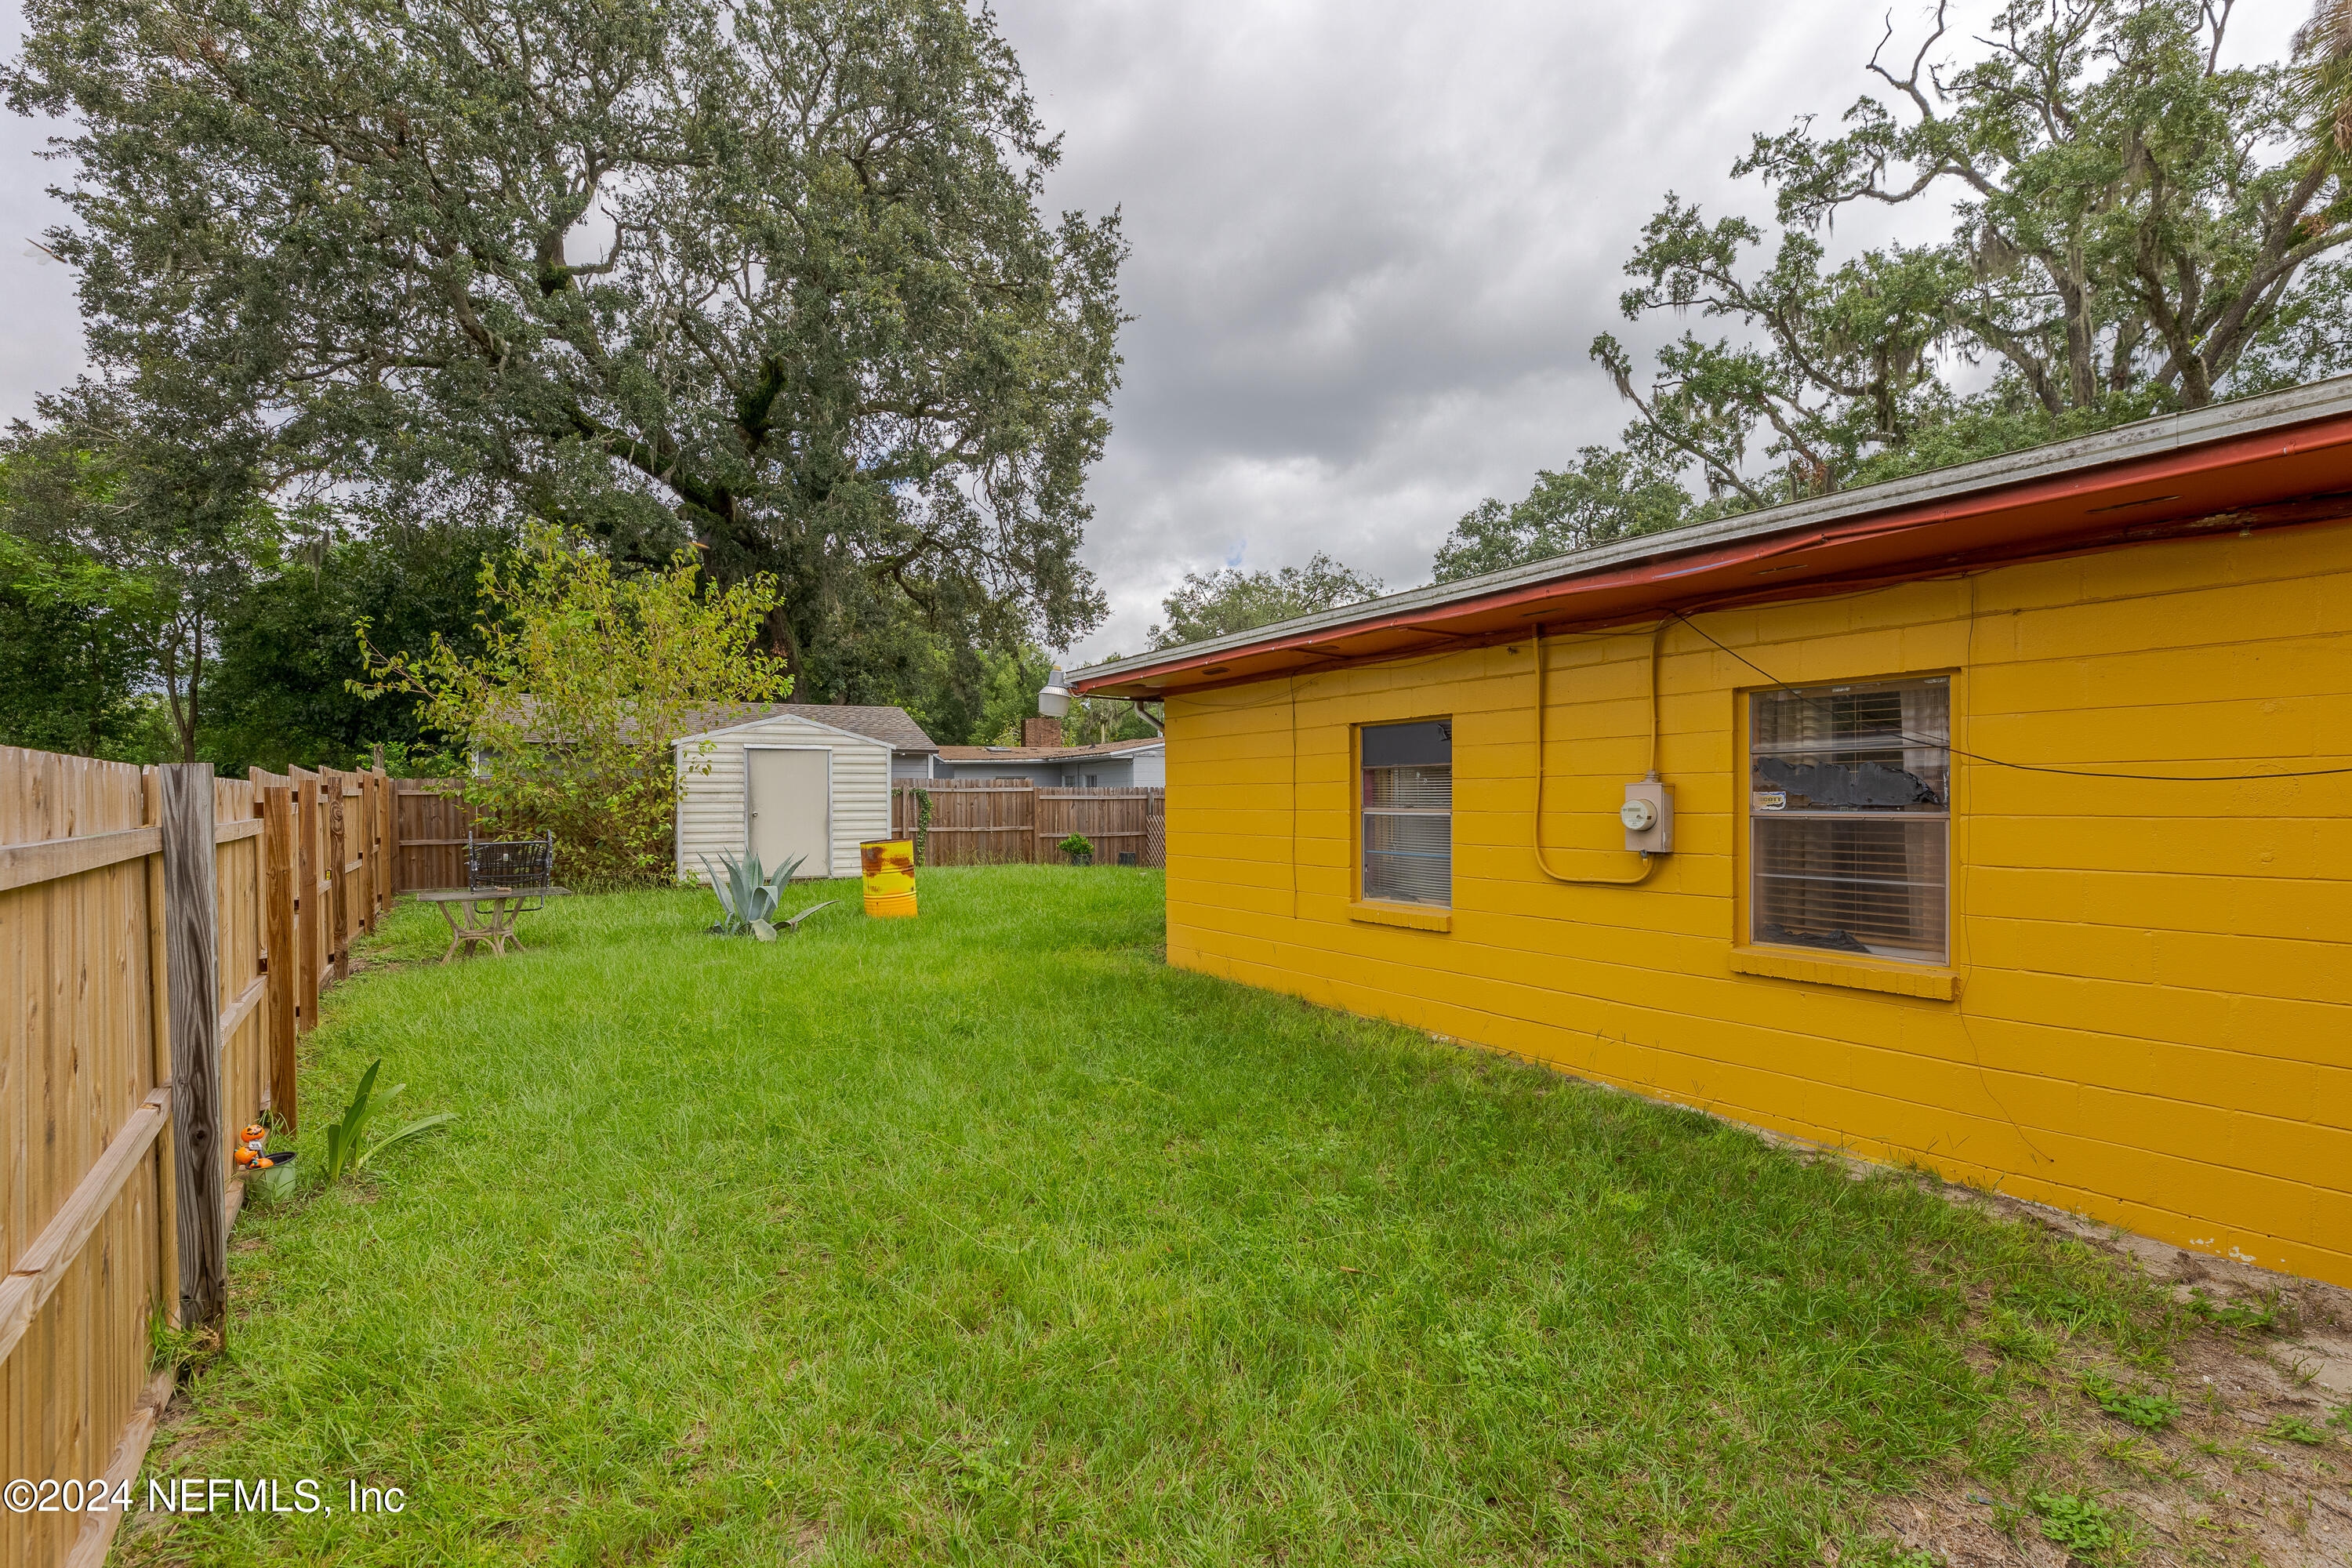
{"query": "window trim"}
{"type": "Point", "coordinates": [1398, 912]}
{"type": "Point", "coordinates": [1405, 916]}
{"type": "Point", "coordinates": [1890, 976]}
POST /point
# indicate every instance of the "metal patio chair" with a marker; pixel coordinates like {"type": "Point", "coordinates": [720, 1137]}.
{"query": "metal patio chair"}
{"type": "Point", "coordinates": [504, 879]}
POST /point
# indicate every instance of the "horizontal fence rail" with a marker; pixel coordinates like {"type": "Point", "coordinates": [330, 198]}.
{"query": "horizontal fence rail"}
{"type": "Point", "coordinates": [982, 822]}
{"type": "Point", "coordinates": [169, 933]}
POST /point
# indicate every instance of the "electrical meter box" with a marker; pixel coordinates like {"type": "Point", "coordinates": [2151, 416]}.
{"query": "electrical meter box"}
{"type": "Point", "coordinates": [1648, 814]}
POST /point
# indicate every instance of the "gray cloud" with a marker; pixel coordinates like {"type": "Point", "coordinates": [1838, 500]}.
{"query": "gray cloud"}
{"type": "Point", "coordinates": [40, 335]}
{"type": "Point", "coordinates": [1371, 242]}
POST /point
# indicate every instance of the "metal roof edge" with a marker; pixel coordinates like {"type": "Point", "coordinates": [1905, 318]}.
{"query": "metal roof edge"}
{"type": "Point", "coordinates": [2144, 437]}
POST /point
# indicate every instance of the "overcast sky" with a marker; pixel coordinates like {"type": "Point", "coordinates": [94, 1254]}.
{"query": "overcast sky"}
{"type": "Point", "coordinates": [1371, 242]}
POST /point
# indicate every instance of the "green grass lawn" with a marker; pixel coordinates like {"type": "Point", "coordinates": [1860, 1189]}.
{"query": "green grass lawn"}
{"type": "Point", "coordinates": [987, 1237]}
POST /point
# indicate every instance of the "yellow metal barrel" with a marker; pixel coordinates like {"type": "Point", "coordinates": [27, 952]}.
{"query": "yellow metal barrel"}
{"type": "Point", "coordinates": [889, 868]}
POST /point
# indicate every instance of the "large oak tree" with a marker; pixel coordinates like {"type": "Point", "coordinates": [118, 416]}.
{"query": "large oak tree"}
{"type": "Point", "coordinates": [2135, 226]}
{"type": "Point", "coordinates": [768, 276]}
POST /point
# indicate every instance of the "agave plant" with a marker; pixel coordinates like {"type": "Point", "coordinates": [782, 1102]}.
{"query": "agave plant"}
{"type": "Point", "coordinates": [747, 897]}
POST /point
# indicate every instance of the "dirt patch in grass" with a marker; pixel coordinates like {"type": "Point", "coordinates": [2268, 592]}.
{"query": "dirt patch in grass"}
{"type": "Point", "coordinates": [2235, 1447]}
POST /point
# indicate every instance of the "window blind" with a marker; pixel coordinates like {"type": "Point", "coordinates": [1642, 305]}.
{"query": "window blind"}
{"type": "Point", "coordinates": [1849, 805]}
{"type": "Point", "coordinates": [1408, 812]}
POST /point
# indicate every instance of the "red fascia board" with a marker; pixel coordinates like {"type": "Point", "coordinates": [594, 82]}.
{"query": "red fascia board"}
{"type": "Point", "coordinates": [2141, 500]}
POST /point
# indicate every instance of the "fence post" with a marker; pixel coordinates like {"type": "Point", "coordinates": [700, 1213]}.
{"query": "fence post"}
{"type": "Point", "coordinates": [159, 969]}
{"type": "Point", "coordinates": [382, 784]}
{"type": "Point", "coordinates": [305, 803]}
{"type": "Point", "coordinates": [278, 942]}
{"type": "Point", "coordinates": [192, 919]}
{"type": "Point", "coordinates": [339, 855]}
{"type": "Point", "coordinates": [374, 839]}
{"type": "Point", "coordinates": [363, 915]}
{"type": "Point", "coordinates": [392, 858]}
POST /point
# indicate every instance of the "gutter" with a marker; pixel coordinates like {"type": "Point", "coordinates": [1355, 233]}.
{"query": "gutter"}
{"type": "Point", "coordinates": [2281, 459]}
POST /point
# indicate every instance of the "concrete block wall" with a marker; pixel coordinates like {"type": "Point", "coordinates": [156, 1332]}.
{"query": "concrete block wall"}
{"type": "Point", "coordinates": [2147, 1013]}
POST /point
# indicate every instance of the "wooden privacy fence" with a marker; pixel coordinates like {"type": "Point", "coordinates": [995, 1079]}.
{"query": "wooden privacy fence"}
{"type": "Point", "coordinates": [429, 831]}
{"type": "Point", "coordinates": [980, 822]}
{"type": "Point", "coordinates": [164, 937]}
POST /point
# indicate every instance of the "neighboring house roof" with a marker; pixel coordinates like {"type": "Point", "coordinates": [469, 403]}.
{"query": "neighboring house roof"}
{"type": "Point", "coordinates": [2263, 462]}
{"type": "Point", "coordinates": [1045, 753]}
{"type": "Point", "coordinates": [889, 725]}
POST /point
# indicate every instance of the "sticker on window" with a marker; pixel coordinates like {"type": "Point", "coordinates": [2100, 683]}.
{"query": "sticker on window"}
{"type": "Point", "coordinates": [1771, 800]}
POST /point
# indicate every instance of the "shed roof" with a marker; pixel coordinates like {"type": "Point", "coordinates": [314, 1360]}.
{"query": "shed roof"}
{"type": "Point", "coordinates": [2263, 462]}
{"type": "Point", "coordinates": [892, 726]}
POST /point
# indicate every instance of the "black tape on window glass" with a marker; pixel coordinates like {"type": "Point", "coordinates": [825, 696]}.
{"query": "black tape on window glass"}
{"type": "Point", "coordinates": [1428, 744]}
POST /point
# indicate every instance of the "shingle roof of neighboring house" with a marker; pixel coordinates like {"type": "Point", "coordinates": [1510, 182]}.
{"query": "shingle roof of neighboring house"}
{"type": "Point", "coordinates": [1043, 753]}
{"type": "Point", "coordinates": [886, 724]}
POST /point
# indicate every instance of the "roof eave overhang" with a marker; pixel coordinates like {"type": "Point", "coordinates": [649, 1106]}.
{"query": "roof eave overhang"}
{"type": "Point", "coordinates": [2270, 462]}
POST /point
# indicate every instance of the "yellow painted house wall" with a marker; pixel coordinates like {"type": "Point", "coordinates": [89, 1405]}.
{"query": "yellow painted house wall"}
{"type": "Point", "coordinates": [2152, 1017]}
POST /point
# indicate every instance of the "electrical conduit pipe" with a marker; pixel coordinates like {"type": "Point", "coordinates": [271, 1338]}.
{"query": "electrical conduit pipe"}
{"type": "Point", "coordinates": [1648, 862]}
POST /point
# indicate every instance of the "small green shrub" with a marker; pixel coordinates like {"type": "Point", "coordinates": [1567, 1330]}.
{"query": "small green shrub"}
{"type": "Point", "coordinates": [2081, 1526]}
{"type": "Point", "coordinates": [2244, 1317]}
{"type": "Point", "coordinates": [2296, 1429]}
{"type": "Point", "coordinates": [1885, 1554]}
{"type": "Point", "coordinates": [1076, 846]}
{"type": "Point", "coordinates": [2149, 1411]}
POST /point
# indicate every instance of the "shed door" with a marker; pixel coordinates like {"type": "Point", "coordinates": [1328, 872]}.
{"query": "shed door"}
{"type": "Point", "coordinates": [790, 798]}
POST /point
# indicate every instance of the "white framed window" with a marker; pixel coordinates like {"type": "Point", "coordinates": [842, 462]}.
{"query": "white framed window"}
{"type": "Point", "coordinates": [1408, 812]}
{"type": "Point", "coordinates": [1850, 818]}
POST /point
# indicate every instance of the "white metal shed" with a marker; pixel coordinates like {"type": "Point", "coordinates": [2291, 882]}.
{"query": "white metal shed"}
{"type": "Point", "coordinates": [781, 784]}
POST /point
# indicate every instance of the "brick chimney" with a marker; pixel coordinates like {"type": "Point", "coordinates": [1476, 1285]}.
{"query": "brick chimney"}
{"type": "Point", "coordinates": [1040, 732]}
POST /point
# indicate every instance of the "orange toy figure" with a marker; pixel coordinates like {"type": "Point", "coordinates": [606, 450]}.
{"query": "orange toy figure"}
{"type": "Point", "coordinates": [245, 1156]}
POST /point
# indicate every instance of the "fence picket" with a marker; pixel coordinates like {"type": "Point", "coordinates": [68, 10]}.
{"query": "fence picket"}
{"type": "Point", "coordinates": [977, 822]}
{"type": "Point", "coordinates": [428, 833]}
{"type": "Point", "coordinates": [158, 998]}
{"type": "Point", "coordinates": [191, 916]}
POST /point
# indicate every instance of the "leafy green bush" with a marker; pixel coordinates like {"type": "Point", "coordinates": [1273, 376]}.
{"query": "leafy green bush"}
{"type": "Point", "coordinates": [588, 672]}
{"type": "Point", "coordinates": [1076, 846]}
{"type": "Point", "coordinates": [2150, 1410]}
{"type": "Point", "coordinates": [2083, 1526]}
{"type": "Point", "coordinates": [2296, 1429]}
{"type": "Point", "coordinates": [2245, 1317]}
